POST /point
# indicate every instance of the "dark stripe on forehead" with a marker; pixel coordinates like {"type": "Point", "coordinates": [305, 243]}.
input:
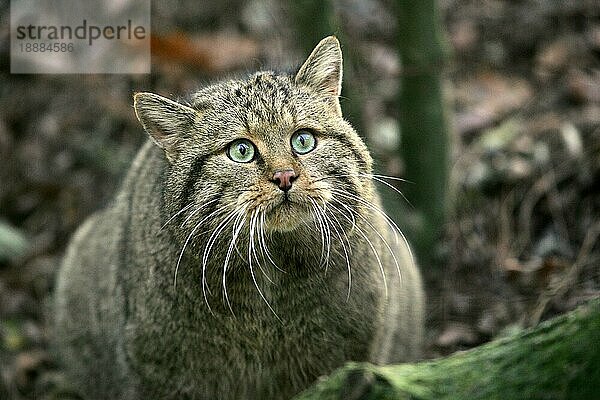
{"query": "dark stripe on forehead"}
{"type": "Point", "coordinates": [193, 176]}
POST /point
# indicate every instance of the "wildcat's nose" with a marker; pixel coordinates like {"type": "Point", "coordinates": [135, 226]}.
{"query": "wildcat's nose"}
{"type": "Point", "coordinates": [284, 179]}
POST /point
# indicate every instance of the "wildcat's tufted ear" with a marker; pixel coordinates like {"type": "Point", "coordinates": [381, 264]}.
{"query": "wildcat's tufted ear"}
{"type": "Point", "coordinates": [322, 71]}
{"type": "Point", "coordinates": [166, 121]}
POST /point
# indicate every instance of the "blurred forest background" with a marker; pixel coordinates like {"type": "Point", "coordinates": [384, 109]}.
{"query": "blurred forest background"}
{"type": "Point", "coordinates": [521, 82]}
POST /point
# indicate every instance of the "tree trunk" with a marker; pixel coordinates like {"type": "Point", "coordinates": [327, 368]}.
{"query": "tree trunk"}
{"type": "Point", "coordinates": [424, 142]}
{"type": "Point", "coordinates": [314, 20]}
{"type": "Point", "coordinates": [559, 359]}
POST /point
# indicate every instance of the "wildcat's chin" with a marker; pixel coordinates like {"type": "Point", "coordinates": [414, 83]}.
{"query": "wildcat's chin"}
{"type": "Point", "coordinates": [287, 214]}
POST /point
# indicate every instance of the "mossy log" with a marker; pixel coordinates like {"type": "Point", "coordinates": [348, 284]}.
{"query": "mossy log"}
{"type": "Point", "coordinates": [559, 359]}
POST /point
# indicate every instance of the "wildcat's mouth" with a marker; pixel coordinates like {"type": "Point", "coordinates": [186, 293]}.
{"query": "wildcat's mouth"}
{"type": "Point", "coordinates": [287, 213]}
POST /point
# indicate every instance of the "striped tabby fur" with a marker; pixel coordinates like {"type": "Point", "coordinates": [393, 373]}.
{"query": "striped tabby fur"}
{"type": "Point", "coordinates": [205, 280]}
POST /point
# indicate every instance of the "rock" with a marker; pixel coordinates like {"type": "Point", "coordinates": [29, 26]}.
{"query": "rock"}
{"type": "Point", "coordinates": [463, 35]}
{"type": "Point", "coordinates": [584, 88]}
{"type": "Point", "coordinates": [572, 139]}
{"type": "Point", "coordinates": [553, 58]}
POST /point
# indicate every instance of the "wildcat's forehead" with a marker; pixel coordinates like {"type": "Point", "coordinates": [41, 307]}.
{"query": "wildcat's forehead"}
{"type": "Point", "coordinates": [263, 90]}
{"type": "Point", "coordinates": [260, 105]}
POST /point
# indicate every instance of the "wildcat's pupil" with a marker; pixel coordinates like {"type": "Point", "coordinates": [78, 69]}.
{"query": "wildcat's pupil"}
{"type": "Point", "coordinates": [242, 149]}
{"type": "Point", "coordinates": [302, 141]}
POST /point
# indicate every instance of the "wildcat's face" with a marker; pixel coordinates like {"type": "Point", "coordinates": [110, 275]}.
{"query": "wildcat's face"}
{"type": "Point", "coordinates": [269, 150]}
{"type": "Point", "coordinates": [277, 147]}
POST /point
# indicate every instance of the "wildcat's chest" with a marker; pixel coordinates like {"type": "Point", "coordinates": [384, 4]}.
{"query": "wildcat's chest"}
{"type": "Point", "coordinates": [256, 354]}
{"type": "Point", "coordinates": [272, 354]}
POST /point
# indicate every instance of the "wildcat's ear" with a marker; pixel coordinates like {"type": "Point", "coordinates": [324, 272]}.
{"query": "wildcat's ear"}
{"type": "Point", "coordinates": [166, 121]}
{"type": "Point", "coordinates": [322, 71]}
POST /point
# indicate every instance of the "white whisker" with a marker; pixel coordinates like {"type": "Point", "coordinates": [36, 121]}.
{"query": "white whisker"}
{"type": "Point", "coordinates": [210, 243]}
{"type": "Point", "coordinates": [238, 224]}
{"type": "Point", "coordinates": [387, 218]}
{"type": "Point", "coordinates": [376, 177]}
{"type": "Point", "coordinates": [175, 215]}
{"type": "Point", "coordinates": [319, 223]}
{"type": "Point", "coordinates": [344, 249]}
{"type": "Point", "coordinates": [394, 188]}
{"type": "Point", "coordinates": [254, 220]}
{"type": "Point", "coordinates": [187, 241]}
{"type": "Point", "coordinates": [264, 243]}
{"type": "Point", "coordinates": [197, 210]}
{"type": "Point", "coordinates": [385, 242]}
{"type": "Point", "coordinates": [374, 250]}
{"type": "Point", "coordinates": [252, 247]}
{"type": "Point", "coordinates": [372, 207]}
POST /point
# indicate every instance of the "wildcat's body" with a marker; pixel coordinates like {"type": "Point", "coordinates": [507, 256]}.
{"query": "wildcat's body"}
{"type": "Point", "coordinates": [147, 307]}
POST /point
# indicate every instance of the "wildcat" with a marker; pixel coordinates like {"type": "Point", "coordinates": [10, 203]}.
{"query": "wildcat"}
{"type": "Point", "coordinates": [246, 253]}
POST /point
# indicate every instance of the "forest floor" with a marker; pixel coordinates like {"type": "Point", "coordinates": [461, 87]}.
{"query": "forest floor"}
{"type": "Point", "coordinates": [523, 88]}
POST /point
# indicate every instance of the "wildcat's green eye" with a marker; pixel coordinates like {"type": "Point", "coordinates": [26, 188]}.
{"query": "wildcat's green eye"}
{"type": "Point", "coordinates": [241, 150]}
{"type": "Point", "coordinates": [303, 141]}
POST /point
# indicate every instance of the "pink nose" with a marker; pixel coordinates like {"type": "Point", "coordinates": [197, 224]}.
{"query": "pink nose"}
{"type": "Point", "coordinates": [284, 179]}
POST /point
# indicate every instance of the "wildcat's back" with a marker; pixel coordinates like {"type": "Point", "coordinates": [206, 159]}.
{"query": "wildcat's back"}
{"type": "Point", "coordinates": [245, 255]}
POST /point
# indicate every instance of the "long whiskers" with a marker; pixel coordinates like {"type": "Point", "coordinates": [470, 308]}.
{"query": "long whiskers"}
{"type": "Point", "coordinates": [325, 234]}
{"type": "Point", "coordinates": [263, 243]}
{"type": "Point", "coordinates": [209, 245]}
{"type": "Point", "coordinates": [394, 227]}
{"type": "Point", "coordinates": [371, 207]}
{"type": "Point", "coordinates": [344, 248]}
{"type": "Point", "coordinates": [383, 239]}
{"type": "Point", "coordinates": [376, 254]}
{"type": "Point", "coordinates": [238, 224]}
{"type": "Point", "coordinates": [376, 177]}
{"type": "Point", "coordinates": [183, 209]}
{"type": "Point", "coordinates": [197, 210]}
{"type": "Point", "coordinates": [254, 222]}
{"type": "Point", "coordinates": [187, 241]}
{"type": "Point", "coordinates": [251, 252]}
{"type": "Point", "coordinates": [334, 235]}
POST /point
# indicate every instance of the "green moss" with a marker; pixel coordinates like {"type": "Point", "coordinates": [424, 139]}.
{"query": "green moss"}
{"type": "Point", "coordinates": [13, 338]}
{"type": "Point", "coordinates": [559, 359]}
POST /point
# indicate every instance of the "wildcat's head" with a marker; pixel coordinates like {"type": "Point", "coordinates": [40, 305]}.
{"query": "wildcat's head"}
{"type": "Point", "coordinates": [268, 149]}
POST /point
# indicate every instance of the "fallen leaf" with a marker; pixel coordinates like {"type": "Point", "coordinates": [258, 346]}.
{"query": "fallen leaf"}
{"type": "Point", "coordinates": [209, 52]}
